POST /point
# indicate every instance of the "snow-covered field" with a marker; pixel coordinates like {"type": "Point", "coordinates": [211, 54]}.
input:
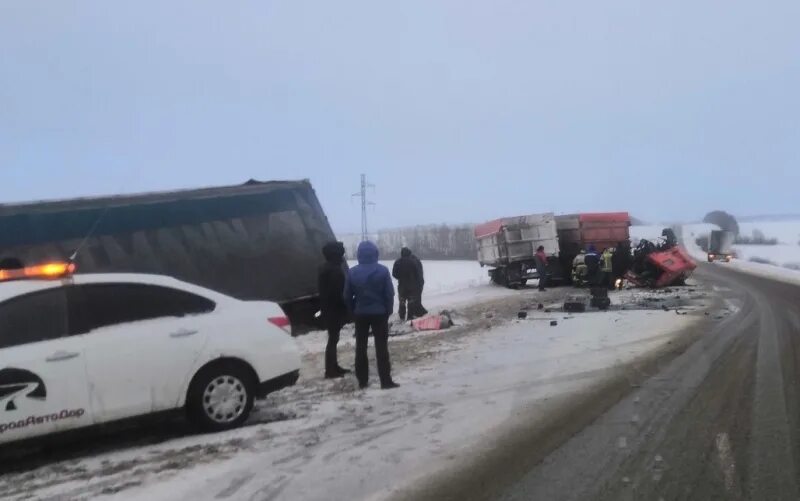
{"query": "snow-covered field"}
{"type": "Point", "coordinates": [325, 439]}
{"type": "Point", "coordinates": [442, 277]}
{"type": "Point", "coordinates": [787, 232]}
{"type": "Point", "coordinates": [780, 255]}
{"type": "Point", "coordinates": [647, 232]}
{"type": "Point", "coordinates": [746, 252]}
{"type": "Point", "coordinates": [787, 252]}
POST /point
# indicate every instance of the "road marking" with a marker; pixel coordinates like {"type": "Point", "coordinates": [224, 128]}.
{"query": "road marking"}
{"type": "Point", "coordinates": [723, 443]}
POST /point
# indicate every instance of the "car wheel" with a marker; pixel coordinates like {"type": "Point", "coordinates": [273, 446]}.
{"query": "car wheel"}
{"type": "Point", "coordinates": [221, 397]}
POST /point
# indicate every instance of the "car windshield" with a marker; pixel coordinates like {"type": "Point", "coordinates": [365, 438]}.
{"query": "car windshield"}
{"type": "Point", "coordinates": [502, 250]}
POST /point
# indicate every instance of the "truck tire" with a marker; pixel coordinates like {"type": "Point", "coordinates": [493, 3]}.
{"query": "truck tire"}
{"type": "Point", "coordinates": [511, 281]}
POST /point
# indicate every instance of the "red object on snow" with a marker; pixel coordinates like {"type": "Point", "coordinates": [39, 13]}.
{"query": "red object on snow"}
{"type": "Point", "coordinates": [674, 262]}
{"type": "Point", "coordinates": [429, 323]}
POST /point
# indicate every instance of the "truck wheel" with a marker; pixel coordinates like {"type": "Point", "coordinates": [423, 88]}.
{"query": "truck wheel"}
{"type": "Point", "coordinates": [221, 396]}
{"type": "Point", "coordinates": [498, 276]}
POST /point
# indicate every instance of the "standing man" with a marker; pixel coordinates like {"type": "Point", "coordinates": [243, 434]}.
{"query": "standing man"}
{"type": "Point", "coordinates": [592, 260]}
{"type": "Point", "coordinates": [408, 272]}
{"type": "Point", "coordinates": [331, 280]}
{"type": "Point", "coordinates": [369, 294]}
{"type": "Point", "coordinates": [541, 266]}
{"type": "Point", "coordinates": [579, 269]}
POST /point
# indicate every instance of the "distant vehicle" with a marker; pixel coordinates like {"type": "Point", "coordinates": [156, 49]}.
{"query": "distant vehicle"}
{"type": "Point", "coordinates": [83, 350]}
{"type": "Point", "coordinates": [258, 240]}
{"type": "Point", "coordinates": [720, 246]}
{"type": "Point", "coordinates": [600, 229]}
{"type": "Point", "coordinates": [508, 245]}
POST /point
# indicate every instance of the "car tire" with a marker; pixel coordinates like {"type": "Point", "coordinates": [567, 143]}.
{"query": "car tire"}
{"type": "Point", "coordinates": [221, 396]}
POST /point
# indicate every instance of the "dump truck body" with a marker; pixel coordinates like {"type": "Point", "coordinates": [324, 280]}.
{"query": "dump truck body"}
{"type": "Point", "coordinates": [508, 245]}
{"type": "Point", "coordinates": [253, 241]}
{"type": "Point", "coordinates": [720, 245]}
{"type": "Point", "coordinates": [600, 229]}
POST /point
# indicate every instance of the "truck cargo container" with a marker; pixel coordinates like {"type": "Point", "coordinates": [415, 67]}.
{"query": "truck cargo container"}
{"type": "Point", "coordinates": [579, 231]}
{"type": "Point", "coordinates": [258, 240]}
{"type": "Point", "coordinates": [720, 245]}
{"type": "Point", "coordinates": [508, 246]}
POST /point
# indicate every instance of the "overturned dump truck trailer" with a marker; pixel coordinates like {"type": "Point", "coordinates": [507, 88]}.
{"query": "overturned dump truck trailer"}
{"type": "Point", "coordinates": [259, 240]}
{"type": "Point", "coordinates": [508, 245]}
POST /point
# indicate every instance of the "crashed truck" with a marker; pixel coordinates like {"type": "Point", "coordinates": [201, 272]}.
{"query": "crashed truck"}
{"type": "Point", "coordinates": [508, 245]}
{"type": "Point", "coordinates": [257, 240]}
{"type": "Point", "coordinates": [660, 264]}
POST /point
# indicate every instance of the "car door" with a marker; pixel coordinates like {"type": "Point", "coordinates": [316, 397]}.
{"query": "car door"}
{"type": "Point", "coordinates": [43, 385]}
{"type": "Point", "coordinates": [141, 341]}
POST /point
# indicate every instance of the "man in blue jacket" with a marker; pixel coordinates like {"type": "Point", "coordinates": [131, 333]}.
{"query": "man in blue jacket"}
{"type": "Point", "coordinates": [369, 294]}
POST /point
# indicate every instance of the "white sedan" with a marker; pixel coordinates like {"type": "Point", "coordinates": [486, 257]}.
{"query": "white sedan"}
{"type": "Point", "coordinates": [82, 350]}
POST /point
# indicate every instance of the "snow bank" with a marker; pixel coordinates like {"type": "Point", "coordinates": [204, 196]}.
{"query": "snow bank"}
{"type": "Point", "coordinates": [765, 270]}
{"type": "Point", "coordinates": [780, 255]}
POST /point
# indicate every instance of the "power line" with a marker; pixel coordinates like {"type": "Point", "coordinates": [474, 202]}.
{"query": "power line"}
{"type": "Point", "coordinates": [364, 203]}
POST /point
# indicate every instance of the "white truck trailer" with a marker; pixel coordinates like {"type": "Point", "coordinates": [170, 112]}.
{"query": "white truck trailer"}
{"type": "Point", "coordinates": [508, 246]}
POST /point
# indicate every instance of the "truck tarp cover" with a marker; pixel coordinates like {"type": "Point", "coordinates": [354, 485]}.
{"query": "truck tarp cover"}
{"type": "Point", "coordinates": [259, 240]}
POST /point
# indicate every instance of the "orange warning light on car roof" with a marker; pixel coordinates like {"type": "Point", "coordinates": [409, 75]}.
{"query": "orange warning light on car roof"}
{"type": "Point", "coordinates": [45, 270]}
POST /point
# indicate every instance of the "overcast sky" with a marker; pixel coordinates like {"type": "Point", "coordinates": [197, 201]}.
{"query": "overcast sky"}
{"type": "Point", "coordinates": [458, 111]}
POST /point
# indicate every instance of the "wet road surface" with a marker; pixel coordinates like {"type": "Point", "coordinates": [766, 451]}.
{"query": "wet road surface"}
{"type": "Point", "coordinates": [719, 421]}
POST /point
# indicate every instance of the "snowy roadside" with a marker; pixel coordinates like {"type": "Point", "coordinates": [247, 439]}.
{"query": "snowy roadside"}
{"type": "Point", "coordinates": [325, 439]}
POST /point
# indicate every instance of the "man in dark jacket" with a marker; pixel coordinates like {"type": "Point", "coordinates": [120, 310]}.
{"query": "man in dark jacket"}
{"type": "Point", "coordinates": [331, 280]}
{"type": "Point", "coordinates": [408, 272]}
{"type": "Point", "coordinates": [592, 265]}
{"type": "Point", "coordinates": [541, 266]}
{"type": "Point", "coordinates": [369, 295]}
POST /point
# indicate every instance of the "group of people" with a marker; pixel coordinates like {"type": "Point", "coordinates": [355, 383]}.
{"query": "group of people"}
{"type": "Point", "coordinates": [602, 269]}
{"type": "Point", "coordinates": [365, 294]}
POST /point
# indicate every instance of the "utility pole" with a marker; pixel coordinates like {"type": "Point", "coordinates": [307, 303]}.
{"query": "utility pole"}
{"type": "Point", "coordinates": [364, 204]}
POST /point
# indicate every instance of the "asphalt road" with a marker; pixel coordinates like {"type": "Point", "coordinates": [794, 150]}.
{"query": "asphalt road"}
{"type": "Point", "coordinates": [719, 421]}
